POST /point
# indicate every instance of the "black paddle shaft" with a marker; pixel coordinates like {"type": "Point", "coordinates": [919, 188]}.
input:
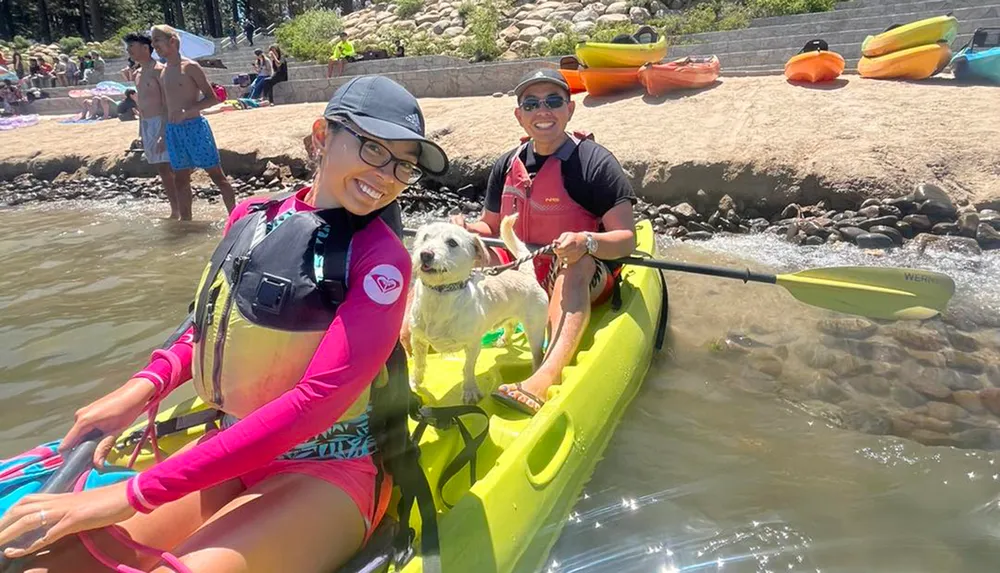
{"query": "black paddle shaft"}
{"type": "Point", "coordinates": [745, 275]}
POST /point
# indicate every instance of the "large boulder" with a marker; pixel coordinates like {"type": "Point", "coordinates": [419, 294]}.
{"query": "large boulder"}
{"type": "Point", "coordinates": [613, 19]}
{"type": "Point", "coordinates": [638, 15]}
{"type": "Point", "coordinates": [529, 34]}
{"type": "Point", "coordinates": [618, 8]}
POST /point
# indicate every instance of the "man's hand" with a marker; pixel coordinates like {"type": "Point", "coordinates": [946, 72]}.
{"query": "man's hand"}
{"type": "Point", "coordinates": [459, 219]}
{"type": "Point", "coordinates": [570, 247]}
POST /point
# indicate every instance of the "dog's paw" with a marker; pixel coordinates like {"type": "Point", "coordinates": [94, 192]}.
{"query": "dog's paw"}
{"type": "Point", "coordinates": [471, 395]}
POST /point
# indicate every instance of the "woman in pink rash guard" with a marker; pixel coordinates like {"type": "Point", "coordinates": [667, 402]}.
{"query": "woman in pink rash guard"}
{"type": "Point", "coordinates": [260, 495]}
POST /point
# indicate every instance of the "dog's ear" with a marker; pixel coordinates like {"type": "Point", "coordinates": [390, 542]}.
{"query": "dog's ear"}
{"type": "Point", "coordinates": [482, 255]}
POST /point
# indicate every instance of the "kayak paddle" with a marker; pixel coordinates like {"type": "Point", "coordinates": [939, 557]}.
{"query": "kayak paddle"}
{"type": "Point", "coordinates": [875, 292]}
{"type": "Point", "coordinates": [75, 463]}
{"type": "Point", "coordinates": [79, 460]}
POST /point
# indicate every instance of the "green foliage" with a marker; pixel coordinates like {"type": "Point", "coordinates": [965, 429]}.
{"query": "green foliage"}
{"type": "Point", "coordinates": [764, 8]}
{"type": "Point", "coordinates": [408, 8]}
{"type": "Point", "coordinates": [70, 44]}
{"type": "Point", "coordinates": [484, 27]}
{"type": "Point", "coordinates": [415, 44]}
{"type": "Point", "coordinates": [564, 45]}
{"type": "Point", "coordinates": [466, 8]}
{"type": "Point", "coordinates": [21, 43]}
{"type": "Point", "coordinates": [309, 35]}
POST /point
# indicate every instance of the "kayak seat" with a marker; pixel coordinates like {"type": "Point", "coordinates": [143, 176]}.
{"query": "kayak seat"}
{"type": "Point", "coordinates": [815, 46]}
{"type": "Point", "coordinates": [624, 39]}
{"type": "Point", "coordinates": [646, 35]}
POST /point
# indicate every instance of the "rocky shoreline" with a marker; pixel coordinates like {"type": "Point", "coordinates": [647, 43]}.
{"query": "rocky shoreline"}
{"type": "Point", "coordinates": [933, 382]}
{"type": "Point", "coordinates": [927, 217]}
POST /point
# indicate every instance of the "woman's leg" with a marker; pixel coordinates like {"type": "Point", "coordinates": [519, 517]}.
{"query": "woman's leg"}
{"type": "Point", "coordinates": [288, 522]}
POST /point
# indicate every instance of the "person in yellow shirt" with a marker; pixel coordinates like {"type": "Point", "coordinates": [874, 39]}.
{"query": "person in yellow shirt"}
{"type": "Point", "coordinates": [343, 52]}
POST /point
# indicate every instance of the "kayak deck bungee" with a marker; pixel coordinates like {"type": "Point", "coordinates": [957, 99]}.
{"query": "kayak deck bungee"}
{"type": "Point", "coordinates": [529, 470]}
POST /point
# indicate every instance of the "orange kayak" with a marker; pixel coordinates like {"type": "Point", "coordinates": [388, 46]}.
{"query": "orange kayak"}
{"type": "Point", "coordinates": [821, 66]}
{"type": "Point", "coordinates": [574, 80]}
{"type": "Point", "coordinates": [910, 64]}
{"type": "Point", "coordinates": [607, 81]}
{"type": "Point", "coordinates": [685, 73]}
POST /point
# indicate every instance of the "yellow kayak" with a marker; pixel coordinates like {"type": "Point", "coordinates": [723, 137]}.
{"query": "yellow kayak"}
{"type": "Point", "coordinates": [922, 32]}
{"type": "Point", "coordinates": [530, 470]}
{"type": "Point", "coordinates": [911, 64]}
{"type": "Point", "coordinates": [598, 55]}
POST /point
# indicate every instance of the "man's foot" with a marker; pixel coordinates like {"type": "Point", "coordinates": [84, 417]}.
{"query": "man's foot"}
{"type": "Point", "coordinates": [517, 397]}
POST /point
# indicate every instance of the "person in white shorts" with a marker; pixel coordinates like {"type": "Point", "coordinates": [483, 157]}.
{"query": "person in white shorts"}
{"type": "Point", "coordinates": [153, 114]}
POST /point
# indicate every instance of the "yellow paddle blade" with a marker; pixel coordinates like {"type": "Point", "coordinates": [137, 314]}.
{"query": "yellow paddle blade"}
{"type": "Point", "coordinates": [875, 292]}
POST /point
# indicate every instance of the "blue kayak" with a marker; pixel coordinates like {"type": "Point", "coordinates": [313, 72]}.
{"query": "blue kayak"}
{"type": "Point", "coordinates": [977, 66]}
{"type": "Point", "coordinates": [979, 60]}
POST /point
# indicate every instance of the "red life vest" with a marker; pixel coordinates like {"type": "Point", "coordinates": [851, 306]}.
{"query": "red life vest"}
{"type": "Point", "coordinates": [544, 207]}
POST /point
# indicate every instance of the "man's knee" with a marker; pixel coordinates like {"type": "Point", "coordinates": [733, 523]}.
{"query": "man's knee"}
{"type": "Point", "coordinates": [578, 274]}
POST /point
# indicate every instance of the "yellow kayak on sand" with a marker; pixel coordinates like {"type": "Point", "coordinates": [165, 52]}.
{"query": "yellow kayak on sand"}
{"type": "Point", "coordinates": [599, 55]}
{"type": "Point", "coordinates": [922, 32]}
{"type": "Point", "coordinates": [529, 470]}
{"type": "Point", "coordinates": [912, 64]}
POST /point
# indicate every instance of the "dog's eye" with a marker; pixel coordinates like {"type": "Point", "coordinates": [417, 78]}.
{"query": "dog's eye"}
{"type": "Point", "coordinates": [452, 243]}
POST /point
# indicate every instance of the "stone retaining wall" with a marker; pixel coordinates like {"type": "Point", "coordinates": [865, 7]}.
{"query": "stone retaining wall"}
{"type": "Point", "coordinates": [458, 81]}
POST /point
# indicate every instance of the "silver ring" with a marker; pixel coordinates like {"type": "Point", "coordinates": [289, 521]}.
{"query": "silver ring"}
{"type": "Point", "coordinates": [41, 516]}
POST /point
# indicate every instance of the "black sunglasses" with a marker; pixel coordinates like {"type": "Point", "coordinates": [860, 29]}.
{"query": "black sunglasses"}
{"type": "Point", "coordinates": [377, 155]}
{"type": "Point", "coordinates": [552, 102]}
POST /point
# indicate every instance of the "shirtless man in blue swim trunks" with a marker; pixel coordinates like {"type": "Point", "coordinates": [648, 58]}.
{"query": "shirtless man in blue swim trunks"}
{"type": "Point", "coordinates": [190, 142]}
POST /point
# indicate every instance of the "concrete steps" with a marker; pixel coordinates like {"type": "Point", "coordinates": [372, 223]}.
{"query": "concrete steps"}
{"type": "Point", "coordinates": [941, 6]}
{"type": "Point", "coordinates": [784, 48]}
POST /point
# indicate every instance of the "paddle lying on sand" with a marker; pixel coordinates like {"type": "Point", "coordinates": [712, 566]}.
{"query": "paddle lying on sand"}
{"type": "Point", "coordinates": [875, 292]}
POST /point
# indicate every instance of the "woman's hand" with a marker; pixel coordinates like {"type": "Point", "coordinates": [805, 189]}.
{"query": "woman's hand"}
{"type": "Point", "coordinates": [47, 518]}
{"type": "Point", "coordinates": [109, 415]}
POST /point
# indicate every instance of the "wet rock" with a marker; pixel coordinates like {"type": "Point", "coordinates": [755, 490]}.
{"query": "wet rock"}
{"type": "Point", "coordinates": [918, 418]}
{"type": "Point", "coordinates": [993, 374]}
{"type": "Point", "coordinates": [816, 355]}
{"type": "Point", "coordinates": [937, 210]}
{"type": "Point", "coordinates": [869, 202]}
{"type": "Point", "coordinates": [868, 212]}
{"type": "Point", "coordinates": [827, 390]}
{"type": "Point", "coordinates": [905, 203]}
{"type": "Point", "coordinates": [961, 341]}
{"type": "Point", "coordinates": [945, 229]}
{"type": "Point", "coordinates": [968, 224]}
{"type": "Point", "coordinates": [670, 220]}
{"type": "Point", "coordinates": [931, 192]}
{"type": "Point", "coordinates": [929, 438]}
{"type": "Point", "coordinates": [791, 210]}
{"type": "Point", "coordinates": [945, 411]}
{"type": "Point", "coordinates": [964, 361]}
{"type": "Point", "coordinates": [866, 418]}
{"type": "Point", "coordinates": [814, 241]}
{"type": "Point", "coordinates": [969, 400]}
{"type": "Point", "coordinates": [890, 232]}
{"type": "Point", "coordinates": [851, 234]}
{"type": "Point", "coordinates": [676, 232]}
{"type": "Point", "coordinates": [768, 364]}
{"type": "Point", "coordinates": [698, 235]}
{"type": "Point", "coordinates": [976, 438]}
{"type": "Point", "coordinates": [905, 229]}
{"type": "Point", "coordinates": [696, 226]}
{"type": "Point", "coordinates": [870, 384]}
{"type": "Point", "coordinates": [851, 366]}
{"type": "Point", "coordinates": [906, 396]}
{"type": "Point", "coordinates": [685, 212]}
{"type": "Point", "coordinates": [918, 222]}
{"type": "Point", "coordinates": [756, 382]}
{"type": "Point", "coordinates": [988, 237]}
{"type": "Point", "coordinates": [930, 388]}
{"type": "Point", "coordinates": [933, 243]}
{"type": "Point", "coordinates": [917, 338]}
{"type": "Point", "coordinates": [935, 359]}
{"type": "Point", "coordinates": [990, 397]}
{"type": "Point", "coordinates": [887, 221]}
{"type": "Point", "coordinates": [856, 328]}
{"type": "Point", "coordinates": [759, 224]}
{"type": "Point", "coordinates": [873, 241]}
{"type": "Point", "coordinates": [990, 217]}
{"type": "Point", "coordinates": [726, 203]}
{"type": "Point", "coordinates": [891, 210]}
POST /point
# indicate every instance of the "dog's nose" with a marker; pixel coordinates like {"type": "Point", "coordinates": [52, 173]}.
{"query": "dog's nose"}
{"type": "Point", "coordinates": [426, 257]}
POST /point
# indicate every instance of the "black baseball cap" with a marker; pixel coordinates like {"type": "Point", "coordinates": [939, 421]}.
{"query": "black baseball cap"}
{"type": "Point", "coordinates": [546, 75]}
{"type": "Point", "coordinates": [384, 109]}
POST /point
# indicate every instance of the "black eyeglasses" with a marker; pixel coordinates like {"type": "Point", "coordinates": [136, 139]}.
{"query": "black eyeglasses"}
{"type": "Point", "coordinates": [552, 102]}
{"type": "Point", "coordinates": [377, 155]}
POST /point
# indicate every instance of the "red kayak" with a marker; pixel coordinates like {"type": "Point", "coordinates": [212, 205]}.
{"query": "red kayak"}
{"type": "Point", "coordinates": [686, 73]}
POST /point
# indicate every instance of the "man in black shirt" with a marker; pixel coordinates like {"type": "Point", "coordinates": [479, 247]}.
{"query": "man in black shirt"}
{"type": "Point", "coordinates": [568, 191]}
{"type": "Point", "coordinates": [128, 109]}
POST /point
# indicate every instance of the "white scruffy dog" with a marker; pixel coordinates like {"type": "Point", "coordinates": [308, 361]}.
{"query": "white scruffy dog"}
{"type": "Point", "coordinates": [454, 305]}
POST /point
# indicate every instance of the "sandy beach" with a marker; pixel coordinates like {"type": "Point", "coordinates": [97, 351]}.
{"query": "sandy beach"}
{"type": "Point", "coordinates": [757, 138]}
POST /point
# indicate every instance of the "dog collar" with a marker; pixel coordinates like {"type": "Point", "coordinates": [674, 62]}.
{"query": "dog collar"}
{"type": "Point", "coordinates": [451, 287]}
